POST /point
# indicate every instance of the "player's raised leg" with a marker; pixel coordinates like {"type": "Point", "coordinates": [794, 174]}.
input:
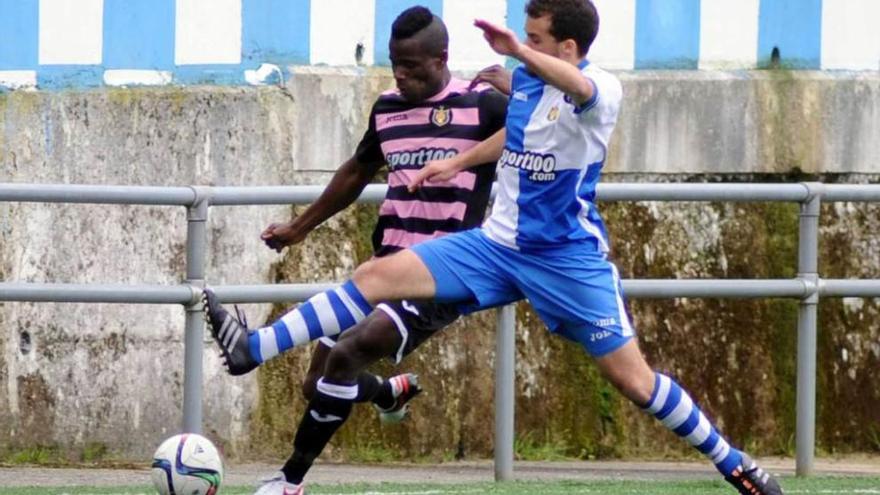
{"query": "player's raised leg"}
{"type": "Point", "coordinates": [399, 276]}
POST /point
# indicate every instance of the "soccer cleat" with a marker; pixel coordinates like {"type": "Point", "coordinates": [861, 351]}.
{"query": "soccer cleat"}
{"type": "Point", "coordinates": [230, 333]}
{"type": "Point", "coordinates": [277, 485]}
{"type": "Point", "coordinates": [749, 479]}
{"type": "Point", "coordinates": [403, 388]}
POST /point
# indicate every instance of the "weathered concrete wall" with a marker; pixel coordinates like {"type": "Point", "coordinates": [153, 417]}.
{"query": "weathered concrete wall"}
{"type": "Point", "coordinates": [748, 122]}
{"type": "Point", "coordinates": [110, 376]}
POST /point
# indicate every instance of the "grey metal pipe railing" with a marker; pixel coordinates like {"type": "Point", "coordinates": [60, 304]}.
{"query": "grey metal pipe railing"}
{"type": "Point", "coordinates": [808, 271]}
{"type": "Point", "coordinates": [807, 287]}
{"type": "Point", "coordinates": [729, 288]}
{"type": "Point", "coordinates": [610, 191]}
{"type": "Point", "coordinates": [849, 288]}
{"type": "Point", "coordinates": [81, 193]}
{"type": "Point", "coordinates": [859, 193]}
{"type": "Point", "coordinates": [194, 342]}
{"type": "Point", "coordinates": [96, 293]}
{"type": "Point", "coordinates": [185, 294]}
{"type": "Point", "coordinates": [505, 386]}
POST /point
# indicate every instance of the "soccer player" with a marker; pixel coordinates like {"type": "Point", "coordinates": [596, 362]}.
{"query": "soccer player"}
{"type": "Point", "coordinates": [430, 115]}
{"type": "Point", "coordinates": [544, 239]}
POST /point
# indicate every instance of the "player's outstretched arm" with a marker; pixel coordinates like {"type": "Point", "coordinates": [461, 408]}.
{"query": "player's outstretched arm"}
{"type": "Point", "coordinates": [344, 188]}
{"type": "Point", "coordinates": [487, 151]}
{"type": "Point", "coordinates": [557, 72]}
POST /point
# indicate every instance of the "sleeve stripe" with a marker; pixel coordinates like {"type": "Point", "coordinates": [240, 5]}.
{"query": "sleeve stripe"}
{"type": "Point", "coordinates": [592, 101]}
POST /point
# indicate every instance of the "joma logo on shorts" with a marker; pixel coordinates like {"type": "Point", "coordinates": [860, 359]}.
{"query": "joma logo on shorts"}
{"type": "Point", "coordinates": [604, 322]}
{"type": "Point", "coordinates": [600, 335]}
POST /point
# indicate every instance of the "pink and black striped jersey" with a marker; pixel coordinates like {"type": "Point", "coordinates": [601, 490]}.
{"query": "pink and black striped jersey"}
{"type": "Point", "coordinates": [407, 135]}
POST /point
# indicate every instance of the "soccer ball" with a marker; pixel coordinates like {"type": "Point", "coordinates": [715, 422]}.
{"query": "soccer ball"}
{"type": "Point", "coordinates": [187, 464]}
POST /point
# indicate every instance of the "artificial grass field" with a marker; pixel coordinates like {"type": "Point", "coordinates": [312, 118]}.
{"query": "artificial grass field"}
{"type": "Point", "coordinates": [799, 486]}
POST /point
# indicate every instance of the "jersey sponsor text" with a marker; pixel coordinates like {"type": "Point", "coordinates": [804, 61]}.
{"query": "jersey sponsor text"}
{"type": "Point", "coordinates": [541, 166]}
{"type": "Point", "coordinates": [418, 158]}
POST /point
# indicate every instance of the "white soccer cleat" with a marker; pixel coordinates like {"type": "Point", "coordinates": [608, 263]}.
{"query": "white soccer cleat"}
{"type": "Point", "coordinates": [277, 485]}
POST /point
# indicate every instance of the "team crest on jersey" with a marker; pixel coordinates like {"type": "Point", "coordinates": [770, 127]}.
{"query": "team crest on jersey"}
{"type": "Point", "coordinates": [553, 114]}
{"type": "Point", "coordinates": [440, 116]}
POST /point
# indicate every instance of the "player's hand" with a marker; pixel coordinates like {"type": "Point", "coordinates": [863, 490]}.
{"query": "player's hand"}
{"type": "Point", "coordinates": [496, 76]}
{"type": "Point", "coordinates": [500, 39]}
{"type": "Point", "coordinates": [277, 236]}
{"type": "Point", "coordinates": [434, 171]}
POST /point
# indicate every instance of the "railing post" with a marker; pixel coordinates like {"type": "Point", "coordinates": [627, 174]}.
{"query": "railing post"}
{"type": "Point", "coordinates": [196, 235]}
{"type": "Point", "coordinates": [808, 271]}
{"type": "Point", "coordinates": [505, 356]}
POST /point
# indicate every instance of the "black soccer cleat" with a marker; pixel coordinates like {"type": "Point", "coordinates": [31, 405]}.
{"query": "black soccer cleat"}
{"type": "Point", "coordinates": [230, 333]}
{"type": "Point", "coordinates": [404, 388]}
{"type": "Point", "coordinates": [749, 479]}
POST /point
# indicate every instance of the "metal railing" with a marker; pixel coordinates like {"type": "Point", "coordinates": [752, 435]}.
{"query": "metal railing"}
{"type": "Point", "coordinates": [807, 287]}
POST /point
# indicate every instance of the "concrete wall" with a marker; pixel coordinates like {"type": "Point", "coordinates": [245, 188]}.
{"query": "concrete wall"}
{"type": "Point", "coordinates": [111, 375]}
{"type": "Point", "coordinates": [85, 43]}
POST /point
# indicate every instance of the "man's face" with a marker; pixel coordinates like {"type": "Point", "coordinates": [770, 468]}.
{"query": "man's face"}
{"type": "Point", "coordinates": [418, 75]}
{"type": "Point", "coordinates": [538, 36]}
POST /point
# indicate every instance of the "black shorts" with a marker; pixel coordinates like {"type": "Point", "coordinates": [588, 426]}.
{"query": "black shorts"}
{"type": "Point", "coordinates": [416, 322]}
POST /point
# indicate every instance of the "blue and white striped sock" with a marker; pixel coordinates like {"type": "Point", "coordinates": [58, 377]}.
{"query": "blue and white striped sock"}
{"type": "Point", "coordinates": [672, 405]}
{"type": "Point", "coordinates": [324, 315]}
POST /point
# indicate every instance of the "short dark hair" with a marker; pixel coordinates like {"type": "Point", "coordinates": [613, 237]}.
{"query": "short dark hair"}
{"type": "Point", "coordinates": [569, 19]}
{"type": "Point", "coordinates": [421, 21]}
{"type": "Point", "coordinates": [410, 22]}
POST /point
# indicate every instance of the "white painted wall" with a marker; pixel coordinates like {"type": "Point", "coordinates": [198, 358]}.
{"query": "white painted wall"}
{"type": "Point", "coordinates": [337, 26]}
{"type": "Point", "coordinates": [71, 32]}
{"type": "Point", "coordinates": [467, 48]}
{"type": "Point", "coordinates": [207, 32]}
{"type": "Point", "coordinates": [850, 36]}
{"type": "Point", "coordinates": [16, 79]}
{"type": "Point", "coordinates": [614, 47]}
{"type": "Point", "coordinates": [728, 34]}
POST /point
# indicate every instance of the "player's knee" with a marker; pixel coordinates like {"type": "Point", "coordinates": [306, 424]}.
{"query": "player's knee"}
{"type": "Point", "coordinates": [368, 274]}
{"type": "Point", "coordinates": [342, 363]}
{"type": "Point", "coordinates": [635, 391]}
{"type": "Point", "coordinates": [628, 371]}
{"type": "Point", "coordinates": [377, 277]}
{"type": "Point", "coordinates": [632, 386]}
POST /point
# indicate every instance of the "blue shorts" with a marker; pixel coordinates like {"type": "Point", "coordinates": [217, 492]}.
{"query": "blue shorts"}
{"type": "Point", "coordinates": [574, 288]}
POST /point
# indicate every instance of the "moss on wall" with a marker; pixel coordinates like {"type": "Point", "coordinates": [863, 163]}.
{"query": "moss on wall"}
{"type": "Point", "coordinates": [849, 333]}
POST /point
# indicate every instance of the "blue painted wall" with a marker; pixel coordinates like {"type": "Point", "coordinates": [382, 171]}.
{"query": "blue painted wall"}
{"type": "Point", "coordinates": [795, 28]}
{"type": "Point", "coordinates": [140, 35]}
{"type": "Point", "coordinates": [19, 34]}
{"type": "Point", "coordinates": [276, 31]}
{"type": "Point", "coordinates": [667, 34]}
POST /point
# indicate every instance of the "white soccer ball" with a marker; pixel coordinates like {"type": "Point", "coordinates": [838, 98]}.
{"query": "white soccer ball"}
{"type": "Point", "coordinates": [187, 464]}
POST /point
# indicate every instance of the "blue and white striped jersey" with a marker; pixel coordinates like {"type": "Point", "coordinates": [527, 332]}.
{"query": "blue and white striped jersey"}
{"type": "Point", "coordinates": [552, 158]}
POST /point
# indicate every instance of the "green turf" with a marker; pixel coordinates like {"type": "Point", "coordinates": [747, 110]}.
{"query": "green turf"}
{"type": "Point", "coordinates": [824, 486]}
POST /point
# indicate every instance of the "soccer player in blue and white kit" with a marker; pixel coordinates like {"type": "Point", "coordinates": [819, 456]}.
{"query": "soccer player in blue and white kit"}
{"type": "Point", "coordinates": [544, 240]}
